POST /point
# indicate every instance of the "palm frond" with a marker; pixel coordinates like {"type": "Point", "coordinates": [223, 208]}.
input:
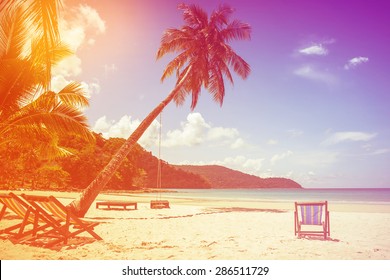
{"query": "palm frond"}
{"type": "Point", "coordinates": [193, 15]}
{"type": "Point", "coordinates": [194, 87]}
{"type": "Point", "coordinates": [59, 119]}
{"type": "Point", "coordinates": [74, 95]}
{"type": "Point", "coordinates": [56, 52]}
{"type": "Point", "coordinates": [183, 91]}
{"type": "Point", "coordinates": [174, 40]}
{"type": "Point", "coordinates": [17, 83]}
{"type": "Point", "coordinates": [221, 16]}
{"type": "Point", "coordinates": [236, 30]}
{"type": "Point", "coordinates": [7, 6]}
{"type": "Point", "coordinates": [176, 64]}
{"type": "Point", "coordinates": [13, 33]}
{"type": "Point", "coordinates": [49, 112]}
{"type": "Point", "coordinates": [225, 71]}
{"type": "Point", "coordinates": [217, 86]}
{"type": "Point", "coordinates": [60, 51]}
{"type": "Point", "coordinates": [181, 96]}
{"type": "Point", "coordinates": [4, 5]}
{"type": "Point", "coordinates": [36, 138]}
{"type": "Point", "coordinates": [50, 148]}
{"type": "Point", "coordinates": [240, 66]}
{"type": "Point", "coordinates": [44, 17]}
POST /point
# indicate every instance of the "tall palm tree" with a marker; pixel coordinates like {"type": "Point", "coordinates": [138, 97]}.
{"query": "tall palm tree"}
{"type": "Point", "coordinates": [203, 61]}
{"type": "Point", "coordinates": [29, 46]}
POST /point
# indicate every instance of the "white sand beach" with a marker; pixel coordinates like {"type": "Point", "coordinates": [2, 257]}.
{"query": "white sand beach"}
{"type": "Point", "coordinates": [216, 230]}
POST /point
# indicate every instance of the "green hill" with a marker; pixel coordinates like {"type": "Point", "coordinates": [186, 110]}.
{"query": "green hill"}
{"type": "Point", "coordinates": [221, 177]}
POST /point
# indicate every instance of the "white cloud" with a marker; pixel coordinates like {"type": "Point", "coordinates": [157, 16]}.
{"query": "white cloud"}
{"type": "Point", "coordinates": [91, 88]}
{"type": "Point", "coordinates": [295, 133]}
{"type": "Point", "coordinates": [279, 157]}
{"type": "Point", "coordinates": [59, 82]}
{"type": "Point", "coordinates": [354, 62]}
{"type": "Point", "coordinates": [272, 142]}
{"type": "Point", "coordinates": [80, 25]}
{"type": "Point", "coordinates": [218, 133]}
{"type": "Point", "coordinates": [92, 19]}
{"type": "Point", "coordinates": [193, 132]}
{"type": "Point", "coordinates": [380, 152]}
{"type": "Point", "coordinates": [124, 127]}
{"type": "Point", "coordinates": [121, 128]}
{"type": "Point", "coordinates": [311, 73]}
{"type": "Point", "coordinates": [238, 143]}
{"type": "Point", "coordinates": [68, 67]}
{"type": "Point", "coordinates": [253, 166]}
{"type": "Point", "coordinates": [314, 49]}
{"type": "Point", "coordinates": [339, 137]}
{"type": "Point", "coordinates": [196, 131]}
{"type": "Point", "coordinates": [370, 152]}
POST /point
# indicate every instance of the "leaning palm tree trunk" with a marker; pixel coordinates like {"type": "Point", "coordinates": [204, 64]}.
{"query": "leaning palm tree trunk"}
{"type": "Point", "coordinates": [81, 205]}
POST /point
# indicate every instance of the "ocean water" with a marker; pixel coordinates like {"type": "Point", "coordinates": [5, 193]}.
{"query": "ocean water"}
{"type": "Point", "coordinates": [368, 195]}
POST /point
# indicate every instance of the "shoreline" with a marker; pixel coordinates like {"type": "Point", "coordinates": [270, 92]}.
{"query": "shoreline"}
{"type": "Point", "coordinates": [145, 197]}
{"type": "Point", "coordinates": [212, 229]}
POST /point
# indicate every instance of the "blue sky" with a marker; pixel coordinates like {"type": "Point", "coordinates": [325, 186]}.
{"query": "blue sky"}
{"type": "Point", "coordinates": [314, 109]}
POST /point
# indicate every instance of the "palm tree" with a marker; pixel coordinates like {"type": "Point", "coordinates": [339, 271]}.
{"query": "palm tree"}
{"type": "Point", "coordinates": [29, 46]}
{"type": "Point", "coordinates": [203, 61]}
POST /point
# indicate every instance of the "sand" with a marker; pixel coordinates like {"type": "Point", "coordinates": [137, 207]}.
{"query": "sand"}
{"type": "Point", "coordinates": [210, 229]}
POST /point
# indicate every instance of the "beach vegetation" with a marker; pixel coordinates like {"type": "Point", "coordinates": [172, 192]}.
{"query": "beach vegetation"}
{"type": "Point", "coordinates": [21, 169]}
{"type": "Point", "coordinates": [33, 117]}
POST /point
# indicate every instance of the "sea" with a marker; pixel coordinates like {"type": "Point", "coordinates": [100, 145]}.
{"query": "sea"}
{"type": "Point", "coordinates": [340, 195]}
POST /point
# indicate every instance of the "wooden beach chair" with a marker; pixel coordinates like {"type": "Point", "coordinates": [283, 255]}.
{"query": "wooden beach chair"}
{"type": "Point", "coordinates": [64, 222]}
{"type": "Point", "coordinates": [312, 218]}
{"type": "Point", "coordinates": [112, 205]}
{"type": "Point", "coordinates": [21, 231]}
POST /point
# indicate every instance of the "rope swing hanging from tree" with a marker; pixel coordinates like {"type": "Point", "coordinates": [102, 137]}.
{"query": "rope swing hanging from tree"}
{"type": "Point", "coordinates": [159, 203]}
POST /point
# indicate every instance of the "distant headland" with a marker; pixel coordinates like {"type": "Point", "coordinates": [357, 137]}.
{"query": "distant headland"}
{"type": "Point", "coordinates": [221, 177]}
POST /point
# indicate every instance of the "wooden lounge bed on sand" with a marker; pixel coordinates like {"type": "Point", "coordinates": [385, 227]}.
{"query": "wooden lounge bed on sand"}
{"type": "Point", "coordinates": [111, 205]}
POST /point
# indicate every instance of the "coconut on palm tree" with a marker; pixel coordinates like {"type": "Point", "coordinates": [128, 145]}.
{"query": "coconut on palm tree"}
{"type": "Point", "coordinates": [204, 59]}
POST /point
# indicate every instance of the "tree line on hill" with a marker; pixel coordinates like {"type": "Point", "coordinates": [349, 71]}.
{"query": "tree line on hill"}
{"type": "Point", "coordinates": [221, 177]}
{"type": "Point", "coordinates": [22, 168]}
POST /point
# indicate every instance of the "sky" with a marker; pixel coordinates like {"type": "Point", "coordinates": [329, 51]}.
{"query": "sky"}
{"type": "Point", "coordinates": [314, 109]}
